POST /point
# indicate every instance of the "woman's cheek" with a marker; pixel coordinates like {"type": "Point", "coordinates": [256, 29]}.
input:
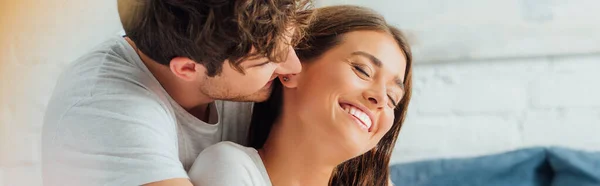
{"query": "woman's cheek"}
{"type": "Point", "coordinates": [386, 125]}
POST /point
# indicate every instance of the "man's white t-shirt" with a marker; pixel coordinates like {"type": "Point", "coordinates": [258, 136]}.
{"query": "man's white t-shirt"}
{"type": "Point", "coordinates": [110, 122]}
{"type": "Point", "coordinates": [229, 164]}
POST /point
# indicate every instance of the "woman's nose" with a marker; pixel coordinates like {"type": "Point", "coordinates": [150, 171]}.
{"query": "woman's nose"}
{"type": "Point", "coordinates": [376, 98]}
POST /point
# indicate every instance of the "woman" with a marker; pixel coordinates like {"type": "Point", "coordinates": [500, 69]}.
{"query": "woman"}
{"type": "Point", "coordinates": [336, 122]}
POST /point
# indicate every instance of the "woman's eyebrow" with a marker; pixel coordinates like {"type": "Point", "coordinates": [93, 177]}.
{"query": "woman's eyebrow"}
{"type": "Point", "coordinates": [371, 58]}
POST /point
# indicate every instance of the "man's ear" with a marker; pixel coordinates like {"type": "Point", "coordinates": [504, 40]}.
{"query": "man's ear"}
{"type": "Point", "coordinates": [289, 80]}
{"type": "Point", "coordinates": [186, 69]}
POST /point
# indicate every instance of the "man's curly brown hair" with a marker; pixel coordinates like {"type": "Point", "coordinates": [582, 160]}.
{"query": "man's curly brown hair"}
{"type": "Point", "coordinates": [211, 32]}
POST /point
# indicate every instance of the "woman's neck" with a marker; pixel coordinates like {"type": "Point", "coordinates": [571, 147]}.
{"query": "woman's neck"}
{"type": "Point", "coordinates": [293, 160]}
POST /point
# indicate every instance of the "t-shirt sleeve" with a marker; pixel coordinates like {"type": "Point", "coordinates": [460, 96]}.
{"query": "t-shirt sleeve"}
{"type": "Point", "coordinates": [111, 140]}
{"type": "Point", "coordinates": [224, 164]}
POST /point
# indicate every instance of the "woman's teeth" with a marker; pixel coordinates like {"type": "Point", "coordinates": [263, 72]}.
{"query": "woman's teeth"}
{"type": "Point", "coordinates": [359, 114]}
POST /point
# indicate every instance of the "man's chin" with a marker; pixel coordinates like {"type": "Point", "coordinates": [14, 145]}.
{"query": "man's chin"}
{"type": "Point", "coordinates": [260, 96]}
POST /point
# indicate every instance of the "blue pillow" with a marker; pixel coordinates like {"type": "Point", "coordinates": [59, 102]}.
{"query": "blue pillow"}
{"type": "Point", "coordinates": [574, 168]}
{"type": "Point", "coordinates": [526, 167]}
{"type": "Point", "coordinates": [553, 166]}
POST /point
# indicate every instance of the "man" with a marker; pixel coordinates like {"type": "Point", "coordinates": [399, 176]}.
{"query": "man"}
{"type": "Point", "coordinates": [138, 109]}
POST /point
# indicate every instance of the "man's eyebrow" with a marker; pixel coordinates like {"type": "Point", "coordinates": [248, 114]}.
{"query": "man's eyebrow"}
{"type": "Point", "coordinates": [377, 63]}
{"type": "Point", "coordinates": [372, 58]}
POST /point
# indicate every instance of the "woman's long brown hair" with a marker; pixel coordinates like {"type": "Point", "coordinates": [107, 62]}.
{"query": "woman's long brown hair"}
{"type": "Point", "coordinates": [326, 31]}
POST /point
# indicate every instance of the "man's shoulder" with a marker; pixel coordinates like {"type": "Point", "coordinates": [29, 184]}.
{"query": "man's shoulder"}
{"type": "Point", "coordinates": [83, 93]}
{"type": "Point", "coordinates": [108, 70]}
{"type": "Point", "coordinates": [112, 49]}
{"type": "Point", "coordinates": [118, 98]}
{"type": "Point", "coordinates": [108, 110]}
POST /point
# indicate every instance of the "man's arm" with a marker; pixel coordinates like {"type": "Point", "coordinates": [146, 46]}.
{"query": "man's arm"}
{"type": "Point", "coordinates": [111, 140]}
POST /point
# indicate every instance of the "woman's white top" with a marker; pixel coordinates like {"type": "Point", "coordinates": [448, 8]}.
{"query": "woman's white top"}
{"type": "Point", "coordinates": [229, 164]}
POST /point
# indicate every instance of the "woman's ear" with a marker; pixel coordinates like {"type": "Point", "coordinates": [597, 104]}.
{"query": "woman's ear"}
{"type": "Point", "coordinates": [289, 80]}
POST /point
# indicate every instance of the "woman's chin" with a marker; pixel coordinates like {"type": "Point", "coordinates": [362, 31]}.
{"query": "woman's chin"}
{"type": "Point", "coordinates": [351, 150]}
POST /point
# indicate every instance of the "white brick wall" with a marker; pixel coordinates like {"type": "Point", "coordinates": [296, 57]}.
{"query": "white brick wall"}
{"type": "Point", "coordinates": [573, 127]}
{"type": "Point", "coordinates": [466, 87]}
{"type": "Point", "coordinates": [479, 107]}
{"type": "Point", "coordinates": [475, 29]}
{"type": "Point", "coordinates": [566, 77]}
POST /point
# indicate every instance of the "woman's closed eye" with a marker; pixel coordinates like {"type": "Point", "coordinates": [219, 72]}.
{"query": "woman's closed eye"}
{"type": "Point", "coordinates": [361, 70]}
{"type": "Point", "coordinates": [392, 101]}
{"type": "Point", "coordinates": [395, 96]}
